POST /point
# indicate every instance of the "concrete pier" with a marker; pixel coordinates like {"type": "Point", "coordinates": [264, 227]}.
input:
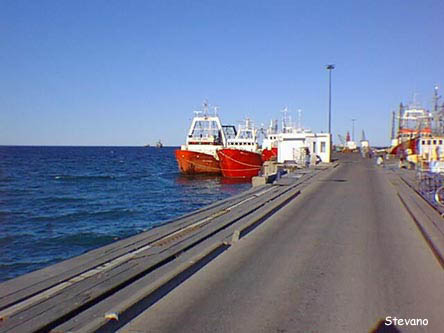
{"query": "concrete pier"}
{"type": "Point", "coordinates": [336, 249]}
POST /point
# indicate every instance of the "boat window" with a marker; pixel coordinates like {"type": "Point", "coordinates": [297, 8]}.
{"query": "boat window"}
{"type": "Point", "coordinates": [434, 142]}
{"type": "Point", "coordinates": [229, 131]}
{"type": "Point", "coordinates": [440, 142]}
{"type": "Point", "coordinates": [245, 135]}
{"type": "Point", "coordinates": [423, 142]}
{"type": "Point", "coordinates": [206, 129]}
{"type": "Point", "coordinates": [322, 147]}
{"type": "Point", "coordinates": [429, 142]}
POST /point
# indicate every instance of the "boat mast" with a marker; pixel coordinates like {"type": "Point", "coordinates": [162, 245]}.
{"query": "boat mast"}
{"type": "Point", "coordinates": [393, 125]}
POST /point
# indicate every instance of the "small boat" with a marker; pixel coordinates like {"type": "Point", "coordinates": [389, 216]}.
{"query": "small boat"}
{"type": "Point", "coordinates": [205, 136]}
{"type": "Point", "coordinates": [241, 157]}
{"type": "Point", "coordinates": [159, 144]}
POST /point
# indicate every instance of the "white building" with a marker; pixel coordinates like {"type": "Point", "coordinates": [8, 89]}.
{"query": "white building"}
{"type": "Point", "coordinates": [293, 146]}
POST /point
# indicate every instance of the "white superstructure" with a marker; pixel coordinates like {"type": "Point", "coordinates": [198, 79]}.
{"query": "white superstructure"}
{"type": "Point", "coordinates": [246, 138]}
{"type": "Point", "coordinates": [206, 133]}
{"type": "Point", "coordinates": [294, 142]}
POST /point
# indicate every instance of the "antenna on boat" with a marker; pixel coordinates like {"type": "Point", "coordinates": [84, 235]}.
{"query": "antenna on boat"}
{"type": "Point", "coordinates": [299, 119]}
{"type": "Point", "coordinates": [205, 107]}
{"type": "Point", "coordinates": [284, 119]}
{"type": "Point", "coordinates": [415, 101]}
{"type": "Point", "coordinates": [436, 98]}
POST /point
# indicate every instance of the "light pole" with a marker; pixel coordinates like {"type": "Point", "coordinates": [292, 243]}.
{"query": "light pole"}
{"type": "Point", "coordinates": [329, 68]}
{"type": "Point", "coordinates": [353, 130]}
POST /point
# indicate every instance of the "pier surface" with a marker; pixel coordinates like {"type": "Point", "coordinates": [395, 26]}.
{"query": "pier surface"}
{"type": "Point", "coordinates": [337, 250]}
{"type": "Point", "coordinates": [342, 256]}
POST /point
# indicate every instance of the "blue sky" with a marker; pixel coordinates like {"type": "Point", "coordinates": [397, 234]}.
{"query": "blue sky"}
{"type": "Point", "coordinates": [131, 72]}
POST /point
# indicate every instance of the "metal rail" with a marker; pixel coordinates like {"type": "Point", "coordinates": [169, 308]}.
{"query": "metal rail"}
{"type": "Point", "coordinates": [431, 187]}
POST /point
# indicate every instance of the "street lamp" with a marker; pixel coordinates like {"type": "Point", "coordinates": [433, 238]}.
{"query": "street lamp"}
{"type": "Point", "coordinates": [353, 130]}
{"type": "Point", "coordinates": [329, 68]}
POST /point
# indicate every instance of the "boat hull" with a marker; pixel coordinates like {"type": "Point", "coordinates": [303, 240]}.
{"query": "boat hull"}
{"type": "Point", "coordinates": [192, 163]}
{"type": "Point", "coordinates": [236, 163]}
{"type": "Point", "coordinates": [268, 154]}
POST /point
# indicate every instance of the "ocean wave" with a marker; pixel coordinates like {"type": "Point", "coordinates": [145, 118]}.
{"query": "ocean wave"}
{"type": "Point", "coordinates": [87, 215]}
{"type": "Point", "coordinates": [60, 202]}
{"type": "Point", "coordinates": [6, 240]}
{"type": "Point", "coordinates": [59, 199]}
{"type": "Point", "coordinates": [84, 177]}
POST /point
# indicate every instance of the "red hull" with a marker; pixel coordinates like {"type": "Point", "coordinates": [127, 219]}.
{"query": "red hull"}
{"type": "Point", "coordinates": [268, 154]}
{"type": "Point", "coordinates": [192, 163]}
{"type": "Point", "coordinates": [400, 149]}
{"type": "Point", "coordinates": [235, 163]}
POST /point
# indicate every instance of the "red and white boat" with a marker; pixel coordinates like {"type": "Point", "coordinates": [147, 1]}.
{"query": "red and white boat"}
{"type": "Point", "coordinates": [205, 136]}
{"type": "Point", "coordinates": [241, 157]}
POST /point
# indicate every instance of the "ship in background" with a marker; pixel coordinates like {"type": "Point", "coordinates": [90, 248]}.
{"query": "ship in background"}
{"type": "Point", "coordinates": [213, 148]}
{"type": "Point", "coordinates": [295, 143]}
{"type": "Point", "coordinates": [418, 134]}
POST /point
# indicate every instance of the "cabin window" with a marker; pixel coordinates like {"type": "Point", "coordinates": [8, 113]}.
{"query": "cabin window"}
{"type": "Point", "coordinates": [440, 142]}
{"type": "Point", "coordinates": [423, 142]}
{"type": "Point", "coordinates": [429, 142]}
{"type": "Point", "coordinates": [314, 147]}
{"type": "Point", "coordinates": [322, 147]}
{"type": "Point", "coordinates": [205, 129]}
{"type": "Point", "coordinates": [434, 142]}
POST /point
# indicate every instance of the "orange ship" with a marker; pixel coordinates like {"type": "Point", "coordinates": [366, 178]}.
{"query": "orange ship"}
{"type": "Point", "coordinates": [241, 158]}
{"type": "Point", "coordinates": [191, 162]}
{"type": "Point", "coordinates": [237, 163]}
{"type": "Point", "coordinates": [205, 136]}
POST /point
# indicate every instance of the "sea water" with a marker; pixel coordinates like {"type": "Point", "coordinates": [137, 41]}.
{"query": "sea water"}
{"type": "Point", "coordinates": [59, 202]}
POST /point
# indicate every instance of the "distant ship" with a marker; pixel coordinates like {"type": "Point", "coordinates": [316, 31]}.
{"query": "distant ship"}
{"type": "Point", "coordinates": [159, 144]}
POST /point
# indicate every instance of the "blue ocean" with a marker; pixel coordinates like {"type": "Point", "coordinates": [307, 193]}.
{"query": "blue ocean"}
{"type": "Point", "coordinates": [59, 202]}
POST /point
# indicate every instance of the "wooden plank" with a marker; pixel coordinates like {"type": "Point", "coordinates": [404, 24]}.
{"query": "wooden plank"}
{"type": "Point", "coordinates": [94, 318]}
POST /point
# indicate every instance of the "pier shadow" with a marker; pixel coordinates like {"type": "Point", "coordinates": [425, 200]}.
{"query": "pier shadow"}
{"type": "Point", "coordinates": [381, 327]}
{"type": "Point", "coordinates": [333, 180]}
